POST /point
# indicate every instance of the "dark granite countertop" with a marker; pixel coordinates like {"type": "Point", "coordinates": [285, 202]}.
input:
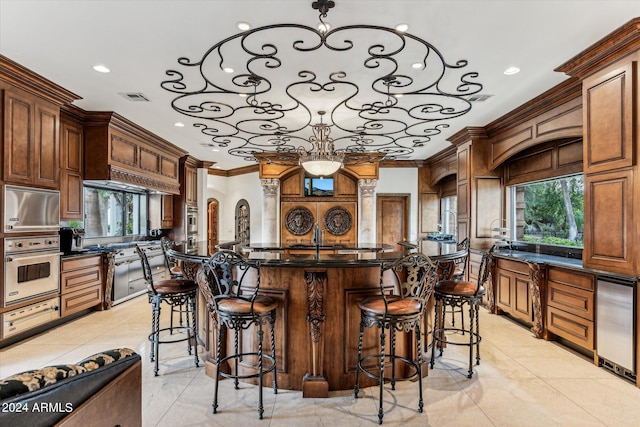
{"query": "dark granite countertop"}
{"type": "Point", "coordinates": [278, 259]}
{"type": "Point", "coordinates": [557, 261]}
{"type": "Point", "coordinates": [271, 246]}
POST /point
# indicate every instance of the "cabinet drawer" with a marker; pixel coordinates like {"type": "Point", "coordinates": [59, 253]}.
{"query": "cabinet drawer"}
{"type": "Point", "coordinates": [80, 300]}
{"type": "Point", "coordinates": [572, 300]}
{"type": "Point", "coordinates": [518, 267]}
{"type": "Point", "coordinates": [572, 277]}
{"type": "Point", "coordinates": [76, 263]}
{"type": "Point", "coordinates": [79, 279]}
{"type": "Point", "coordinates": [571, 327]}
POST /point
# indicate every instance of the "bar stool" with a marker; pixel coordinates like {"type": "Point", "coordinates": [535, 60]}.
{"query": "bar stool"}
{"type": "Point", "coordinates": [175, 272]}
{"type": "Point", "coordinates": [237, 306]}
{"type": "Point", "coordinates": [176, 293]}
{"type": "Point", "coordinates": [415, 276]}
{"type": "Point", "coordinates": [458, 273]}
{"type": "Point", "coordinates": [458, 293]}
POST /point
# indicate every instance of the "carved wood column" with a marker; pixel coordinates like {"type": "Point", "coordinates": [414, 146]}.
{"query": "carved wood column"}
{"type": "Point", "coordinates": [314, 384]}
{"type": "Point", "coordinates": [271, 188]}
{"type": "Point", "coordinates": [109, 269]}
{"type": "Point", "coordinates": [536, 277]}
{"type": "Point", "coordinates": [367, 207]}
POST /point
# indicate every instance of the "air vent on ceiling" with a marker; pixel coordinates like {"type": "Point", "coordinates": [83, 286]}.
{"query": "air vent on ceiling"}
{"type": "Point", "coordinates": [478, 97]}
{"type": "Point", "coordinates": [135, 97]}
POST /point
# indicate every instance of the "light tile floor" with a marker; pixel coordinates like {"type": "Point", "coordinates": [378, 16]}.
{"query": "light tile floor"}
{"type": "Point", "coordinates": [522, 381]}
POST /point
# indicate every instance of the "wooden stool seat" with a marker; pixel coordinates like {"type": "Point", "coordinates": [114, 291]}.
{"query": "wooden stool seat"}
{"type": "Point", "coordinates": [461, 288]}
{"type": "Point", "coordinates": [376, 306]}
{"type": "Point", "coordinates": [261, 304]}
{"type": "Point", "coordinates": [173, 286]}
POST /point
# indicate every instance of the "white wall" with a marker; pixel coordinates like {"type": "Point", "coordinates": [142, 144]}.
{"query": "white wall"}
{"type": "Point", "coordinates": [402, 181]}
{"type": "Point", "coordinates": [228, 191]}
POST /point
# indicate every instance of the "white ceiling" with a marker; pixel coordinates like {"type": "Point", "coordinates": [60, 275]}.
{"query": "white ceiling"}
{"type": "Point", "coordinates": [140, 40]}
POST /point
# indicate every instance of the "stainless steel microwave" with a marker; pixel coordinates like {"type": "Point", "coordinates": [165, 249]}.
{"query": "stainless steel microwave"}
{"type": "Point", "coordinates": [30, 209]}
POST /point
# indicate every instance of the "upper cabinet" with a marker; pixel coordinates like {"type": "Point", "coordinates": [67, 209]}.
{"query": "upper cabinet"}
{"type": "Point", "coordinates": [71, 168]}
{"type": "Point", "coordinates": [611, 126]}
{"type": "Point", "coordinates": [191, 184]}
{"type": "Point", "coordinates": [122, 151]}
{"type": "Point", "coordinates": [30, 140]}
{"type": "Point", "coordinates": [30, 137]}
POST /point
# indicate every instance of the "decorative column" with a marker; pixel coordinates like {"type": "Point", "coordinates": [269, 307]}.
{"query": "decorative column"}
{"type": "Point", "coordinates": [271, 188]}
{"type": "Point", "coordinates": [536, 278]}
{"type": "Point", "coordinates": [367, 208]}
{"type": "Point", "coordinates": [314, 383]}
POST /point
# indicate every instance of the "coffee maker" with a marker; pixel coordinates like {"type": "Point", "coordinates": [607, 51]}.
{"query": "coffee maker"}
{"type": "Point", "coordinates": [71, 239]}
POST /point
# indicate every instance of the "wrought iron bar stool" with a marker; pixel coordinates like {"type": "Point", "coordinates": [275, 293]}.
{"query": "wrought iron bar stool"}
{"type": "Point", "coordinates": [175, 272]}
{"type": "Point", "coordinates": [415, 275]}
{"type": "Point", "coordinates": [176, 293]}
{"type": "Point", "coordinates": [237, 306]}
{"type": "Point", "coordinates": [458, 273]}
{"type": "Point", "coordinates": [458, 293]}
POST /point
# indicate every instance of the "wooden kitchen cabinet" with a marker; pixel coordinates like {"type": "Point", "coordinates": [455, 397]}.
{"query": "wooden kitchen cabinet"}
{"type": "Point", "coordinates": [513, 293]}
{"type": "Point", "coordinates": [71, 167]}
{"type": "Point", "coordinates": [160, 211]}
{"type": "Point", "coordinates": [570, 306]}
{"type": "Point", "coordinates": [80, 284]}
{"type": "Point", "coordinates": [167, 211]}
{"type": "Point", "coordinates": [30, 139]}
{"type": "Point", "coordinates": [191, 185]}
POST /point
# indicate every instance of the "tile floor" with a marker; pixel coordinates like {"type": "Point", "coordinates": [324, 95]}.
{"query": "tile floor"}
{"type": "Point", "coordinates": [522, 381]}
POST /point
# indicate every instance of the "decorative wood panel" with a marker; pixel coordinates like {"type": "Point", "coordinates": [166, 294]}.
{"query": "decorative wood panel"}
{"type": "Point", "coordinates": [572, 300]}
{"type": "Point", "coordinates": [292, 185]}
{"type": "Point", "coordinates": [429, 212]}
{"type": "Point", "coordinates": [149, 161]}
{"type": "Point", "coordinates": [345, 185]}
{"type": "Point", "coordinates": [544, 161]}
{"type": "Point", "coordinates": [124, 151]}
{"type": "Point", "coordinates": [71, 166]}
{"type": "Point", "coordinates": [169, 167]}
{"type": "Point", "coordinates": [609, 222]}
{"type": "Point", "coordinates": [608, 118]}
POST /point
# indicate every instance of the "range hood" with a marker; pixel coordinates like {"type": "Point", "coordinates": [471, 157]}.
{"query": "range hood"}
{"type": "Point", "coordinates": [119, 185]}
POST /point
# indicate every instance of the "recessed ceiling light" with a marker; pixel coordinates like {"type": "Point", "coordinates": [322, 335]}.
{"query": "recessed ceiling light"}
{"type": "Point", "coordinates": [398, 95]}
{"type": "Point", "coordinates": [244, 26]}
{"type": "Point", "coordinates": [402, 27]}
{"type": "Point", "coordinates": [215, 149]}
{"type": "Point", "coordinates": [101, 68]}
{"type": "Point", "coordinates": [323, 27]}
{"type": "Point", "coordinates": [416, 65]}
{"type": "Point", "coordinates": [512, 70]}
{"type": "Point", "coordinates": [227, 70]}
{"type": "Point", "coordinates": [179, 125]}
{"type": "Point", "coordinates": [244, 95]}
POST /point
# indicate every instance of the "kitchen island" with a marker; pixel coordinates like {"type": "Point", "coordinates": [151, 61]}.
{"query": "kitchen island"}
{"type": "Point", "coordinates": [318, 318]}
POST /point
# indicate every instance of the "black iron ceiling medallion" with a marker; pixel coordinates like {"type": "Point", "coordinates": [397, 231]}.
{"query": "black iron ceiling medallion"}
{"type": "Point", "coordinates": [260, 91]}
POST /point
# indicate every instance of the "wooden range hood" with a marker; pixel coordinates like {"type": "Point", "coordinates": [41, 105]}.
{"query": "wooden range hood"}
{"type": "Point", "coordinates": [119, 151]}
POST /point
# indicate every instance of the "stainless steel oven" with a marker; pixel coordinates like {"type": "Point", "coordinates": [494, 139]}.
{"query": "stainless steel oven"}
{"type": "Point", "coordinates": [192, 243]}
{"type": "Point", "coordinates": [30, 210]}
{"type": "Point", "coordinates": [192, 220]}
{"type": "Point", "coordinates": [31, 268]}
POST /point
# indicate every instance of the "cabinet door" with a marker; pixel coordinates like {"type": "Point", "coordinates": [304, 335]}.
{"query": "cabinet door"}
{"type": "Point", "coordinates": [191, 186]}
{"type": "Point", "coordinates": [18, 136]}
{"type": "Point", "coordinates": [522, 298]}
{"type": "Point", "coordinates": [167, 211]}
{"type": "Point", "coordinates": [609, 222]}
{"type": "Point", "coordinates": [608, 99]}
{"type": "Point", "coordinates": [46, 131]}
{"type": "Point", "coordinates": [503, 290]}
{"type": "Point", "coordinates": [71, 162]}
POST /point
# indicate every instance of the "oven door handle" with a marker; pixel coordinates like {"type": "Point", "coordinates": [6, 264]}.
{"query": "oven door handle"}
{"type": "Point", "coordinates": [29, 317]}
{"type": "Point", "coordinates": [39, 255]}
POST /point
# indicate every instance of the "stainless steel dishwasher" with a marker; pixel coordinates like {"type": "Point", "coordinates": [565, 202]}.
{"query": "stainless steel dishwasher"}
{"type": "Point", "coordinates": [616, 325]}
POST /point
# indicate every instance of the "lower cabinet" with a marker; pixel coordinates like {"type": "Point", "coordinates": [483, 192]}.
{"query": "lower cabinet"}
{"type": "Point", "coordinates": [570, 306]}
{"type": "Point", "coordinates": [81, 284]}
{"type": "Point", "coordinates": [513, 295]}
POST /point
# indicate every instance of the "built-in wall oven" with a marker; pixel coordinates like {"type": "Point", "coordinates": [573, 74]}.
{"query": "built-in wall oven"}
{"type": "Point", "coordinates": [192, 220]}
{"type": "Point", "coordinates": [31, 268]}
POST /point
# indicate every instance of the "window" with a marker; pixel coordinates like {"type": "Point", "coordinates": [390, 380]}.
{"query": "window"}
{"type": "Point", "coordinates": [110, 213]}
{"type": "Point", "coordinates": [448, 221]}
{"type": "Point", "coordinates": [549, 212]}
